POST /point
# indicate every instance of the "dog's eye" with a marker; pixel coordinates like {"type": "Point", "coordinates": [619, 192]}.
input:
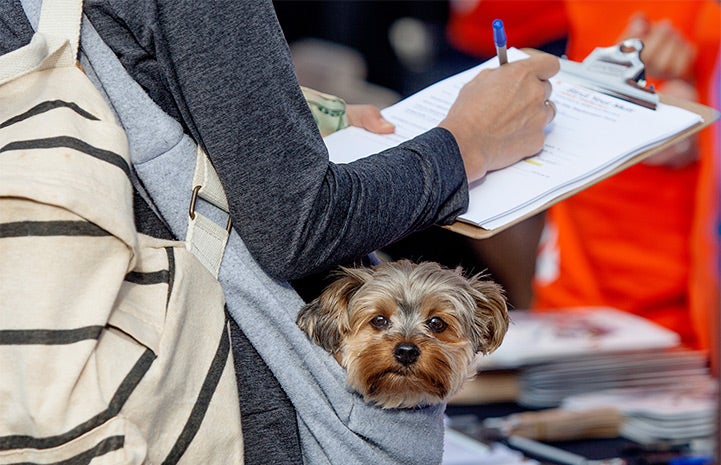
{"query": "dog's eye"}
{"type": "Point", "coordinates": [436, 325]}
{"type": "Point", "coordinates": [380, 322]}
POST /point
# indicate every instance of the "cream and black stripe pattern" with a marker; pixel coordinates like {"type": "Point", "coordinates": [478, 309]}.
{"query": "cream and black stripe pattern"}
{"type": "Point", "coordinates": [113, 345]}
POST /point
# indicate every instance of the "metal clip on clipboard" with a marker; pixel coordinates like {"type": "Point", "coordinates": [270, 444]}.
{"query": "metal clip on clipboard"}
{"type": "Point", "coordinates": [616, 71]}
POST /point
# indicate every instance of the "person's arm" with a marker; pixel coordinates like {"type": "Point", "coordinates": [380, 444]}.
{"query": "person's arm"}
{"type": "Point", "coordinates": [232, 81]}
{"type": "Point", "coordinates": [229, 76]}
{"type": "Point", "coordinates": [296, 212]}
{"type": "Point", "coordinates": [15, 30]}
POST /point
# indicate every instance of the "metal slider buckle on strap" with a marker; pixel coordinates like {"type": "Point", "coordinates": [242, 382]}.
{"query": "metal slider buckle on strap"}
{"type": "Point", "coordinates": [191, 209]}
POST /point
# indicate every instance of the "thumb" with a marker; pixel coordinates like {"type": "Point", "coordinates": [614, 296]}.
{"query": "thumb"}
{"type": "Point", "coordinates": [369, 117]}
{"type": "Point", "coordinates": [378, 124]}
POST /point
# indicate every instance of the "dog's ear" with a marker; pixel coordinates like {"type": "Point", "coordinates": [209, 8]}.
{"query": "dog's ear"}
{"type": "Point", "coordinates": [491, 315]}
{"type": "Point", "coordinates": [325, 319]}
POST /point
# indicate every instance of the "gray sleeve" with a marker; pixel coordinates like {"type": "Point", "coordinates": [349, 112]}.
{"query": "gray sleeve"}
{"type": "Point", "coordinates": [223, 68]}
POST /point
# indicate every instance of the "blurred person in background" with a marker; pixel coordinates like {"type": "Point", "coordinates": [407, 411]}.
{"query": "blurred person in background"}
{"type": "Point", "coordinates": [646, 239]}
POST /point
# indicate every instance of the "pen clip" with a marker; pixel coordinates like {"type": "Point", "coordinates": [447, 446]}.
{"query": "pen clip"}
{"type": "Point", "coordinates": [617, 71]}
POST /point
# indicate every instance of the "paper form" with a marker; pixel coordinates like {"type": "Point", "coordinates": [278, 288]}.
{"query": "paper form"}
{"type": "Point", "coordinates": [591, 134]}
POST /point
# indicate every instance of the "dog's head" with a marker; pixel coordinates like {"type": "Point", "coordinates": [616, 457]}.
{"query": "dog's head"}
{"type": "Point", "coordinates": [407, 333]}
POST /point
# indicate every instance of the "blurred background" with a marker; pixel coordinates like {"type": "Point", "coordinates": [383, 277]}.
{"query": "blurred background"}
{"type": "Point", "coordinates": [368, 51]}
{"type": "Point", "coordinates": [378, 52]}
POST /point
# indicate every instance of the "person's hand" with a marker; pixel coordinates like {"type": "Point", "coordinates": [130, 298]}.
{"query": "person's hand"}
{"type": "Point", "coordinates": [369, 118]}
{"type": "Point", "coordinates": [666, 53]}
{"type": "Point", "coordinates": [686, 151]}
{"type": "Point", "coordinates": [500, 115]}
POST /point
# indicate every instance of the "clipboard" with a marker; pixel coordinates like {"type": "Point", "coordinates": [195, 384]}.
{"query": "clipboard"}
{"type": "Point", "coordinates": [619, 72]}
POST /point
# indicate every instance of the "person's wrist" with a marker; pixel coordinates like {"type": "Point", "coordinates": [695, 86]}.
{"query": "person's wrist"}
{"type": "Point", "coordinates": [470, 153]}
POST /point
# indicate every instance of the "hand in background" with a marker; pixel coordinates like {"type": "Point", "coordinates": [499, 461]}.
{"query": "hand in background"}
{"type": "Point", "coordinates": [669, 56]}
{"type": "Point", "coordinates": [499, 116]}
{"type": "Point", "coordinates": [666, 53]}
{"type": "Point", "coordinates": [685, 151]}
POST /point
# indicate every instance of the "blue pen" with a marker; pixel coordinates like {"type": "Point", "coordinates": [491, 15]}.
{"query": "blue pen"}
{"type": "Point", "coordinates": [499, 37]}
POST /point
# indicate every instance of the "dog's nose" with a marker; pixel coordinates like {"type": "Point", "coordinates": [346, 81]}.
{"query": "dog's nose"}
{"type": "Point", "coordinates": [406, 353]}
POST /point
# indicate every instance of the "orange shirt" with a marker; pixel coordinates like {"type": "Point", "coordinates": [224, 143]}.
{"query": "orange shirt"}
{"type": "Point", "coordinates": [644, 240]}
{"type": "Point", "coordinates": [528, 23]}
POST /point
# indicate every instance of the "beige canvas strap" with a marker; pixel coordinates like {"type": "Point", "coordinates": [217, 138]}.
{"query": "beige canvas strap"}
{"type": "Point", "coordinates": [61, 19]}
{"type": "Point", "coordinates": [205, 238]}
{"type": "Point", "coordinates": [54, 45]}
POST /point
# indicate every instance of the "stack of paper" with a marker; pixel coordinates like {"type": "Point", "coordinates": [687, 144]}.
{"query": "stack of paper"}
{"type": "Point", "coordinates": [679, 412]}
{"type": "Point", "coordinates": [539, 337]}
{"type": "Point", "coordinates": [591, 135]}
{"type": "Point", "coordinates": [548, 384]}
{"type": "Point", "coordinates": [576, 351]}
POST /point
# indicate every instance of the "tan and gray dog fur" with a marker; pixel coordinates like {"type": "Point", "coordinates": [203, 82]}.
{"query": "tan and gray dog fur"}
{"type": "Point", "coordinates": [407, 333]}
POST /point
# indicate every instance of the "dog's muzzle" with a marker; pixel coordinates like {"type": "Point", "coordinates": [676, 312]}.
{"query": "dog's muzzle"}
{"type": "Point", "coordinates": [406, 353]}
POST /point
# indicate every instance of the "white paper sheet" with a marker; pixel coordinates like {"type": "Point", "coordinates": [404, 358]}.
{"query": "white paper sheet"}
{"type": "Point", "coordinates": [591, 134]}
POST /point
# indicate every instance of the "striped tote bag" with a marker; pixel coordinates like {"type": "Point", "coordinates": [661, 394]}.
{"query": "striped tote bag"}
{"type": "Point", "coordinates": [114, 346]}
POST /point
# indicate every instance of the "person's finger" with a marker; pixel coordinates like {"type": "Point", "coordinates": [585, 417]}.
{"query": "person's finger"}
{"type": "Point", "coordinates": [368, 117]}
{"type": "Point", "coordinates": [666, 53]}
{"type": "Point", "coordinates": [549, 88]}
{"type": "Point", "coordinates": [545, 65]}
{"type": "Point", "coordinates": [655, 40]}
{"type": "Point", "coordinates": [665, 44]}
{"type": "Point", "coordinates": [379, 125]}
{"type": "Point", "coordinates": [683, 62]}
{"type": "Point", "coordinates": [637, 28]}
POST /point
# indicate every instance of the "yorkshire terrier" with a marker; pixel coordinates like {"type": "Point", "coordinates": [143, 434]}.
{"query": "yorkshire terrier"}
{"type": "Point", "coordinates": [407, 334]}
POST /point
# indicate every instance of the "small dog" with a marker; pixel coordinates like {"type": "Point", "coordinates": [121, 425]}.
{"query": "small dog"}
{"type": "Point", "coordinates": [407, 333]}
